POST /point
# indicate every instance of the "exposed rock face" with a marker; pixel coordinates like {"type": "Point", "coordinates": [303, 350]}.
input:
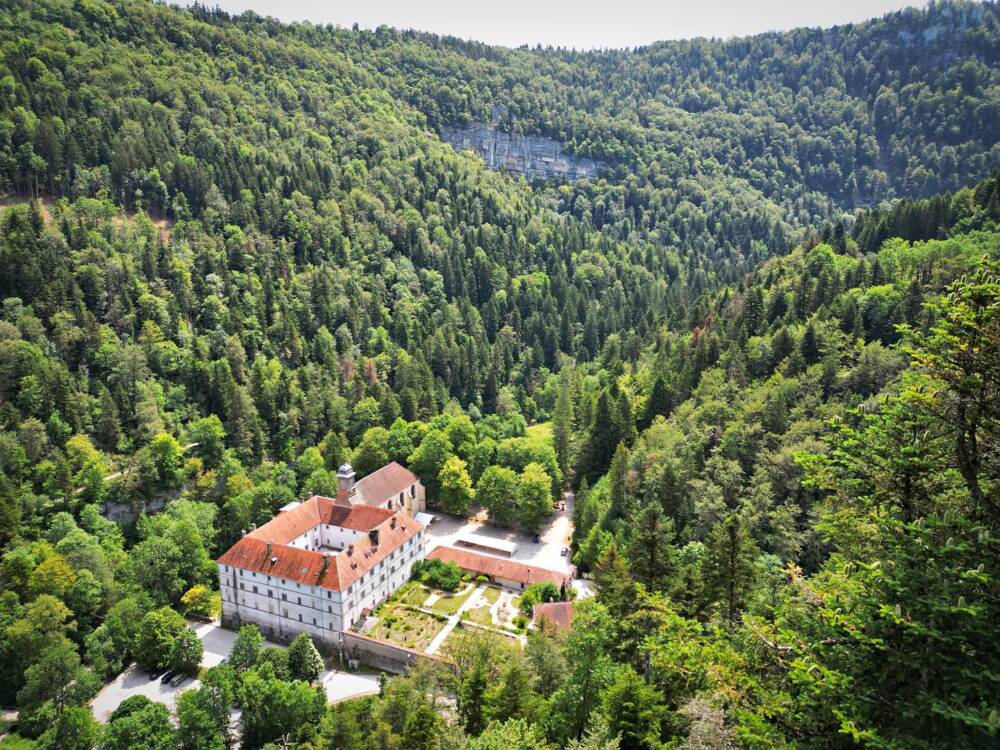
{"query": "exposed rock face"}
{"type": "Point", "coordinates": [529, 155]}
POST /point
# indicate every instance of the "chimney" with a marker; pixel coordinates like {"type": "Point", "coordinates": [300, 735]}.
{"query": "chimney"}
{"type": "Point", "coordinates": [345, 484]}
{"type": "Point", "coordinates": [392, 522]}
{"type": "Point", "coordinates": [373, 537]}
{"type": "Point", "coordinates": [253, 526]}
{"type": "Point", "coordinates": [270, 546]}
{"type": "Point", "coordinates": [326, 562]}
{"type": "Point", "coordinates": [243, 532]}
{"type": "Point", "coordinates": [350, 550]}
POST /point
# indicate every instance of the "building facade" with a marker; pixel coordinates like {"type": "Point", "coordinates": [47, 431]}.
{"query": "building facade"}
{"type": "Point", "coordinates": [318, 566]}
{"type": "Point", "coordinates": [393, 487]}
{"type": "Point", "coordinates": [507, 573]}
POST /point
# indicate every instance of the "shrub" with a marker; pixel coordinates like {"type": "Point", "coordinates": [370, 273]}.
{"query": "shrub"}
{"type": "Point", "coordinates": [538, 593]}
{"type": "Point", "coordinates": [439, 574]}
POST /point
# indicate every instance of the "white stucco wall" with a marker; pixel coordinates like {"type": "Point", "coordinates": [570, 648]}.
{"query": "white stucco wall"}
{"type": "Point", "coordinates": [283, 608]}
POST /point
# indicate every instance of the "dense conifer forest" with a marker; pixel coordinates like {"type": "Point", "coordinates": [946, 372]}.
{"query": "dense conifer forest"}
{"type": "Point", "coordinates": [762, 349]}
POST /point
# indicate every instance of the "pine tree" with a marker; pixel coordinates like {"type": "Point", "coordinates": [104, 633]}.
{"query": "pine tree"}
{"type": "Point", "coordinates": [562, 421]}
{"type": "Point", "coordinates": [729, 565]}
{"type": "Point", "coordinates": [603, 436]}
{"type": "Point", "coordinates": [472, 699]}
{"type": "Point", "coordinates": [616, 481]}
{"type": "Point", "coordinates": [659, 402]}
{"type": "Point", "coordinates": [650, 551]}
{"type": "Point", "coordinates": [614, 586]}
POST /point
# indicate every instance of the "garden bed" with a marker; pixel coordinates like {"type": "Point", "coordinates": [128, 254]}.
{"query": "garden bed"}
{"type": "Point", "coordinates": [406, 626]}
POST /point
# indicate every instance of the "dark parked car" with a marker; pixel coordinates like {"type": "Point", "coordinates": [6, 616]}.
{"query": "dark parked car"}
{"type": "Point", "coordinates": [537, 539]}
{"type": "Point", "coordinates": [167, 677]}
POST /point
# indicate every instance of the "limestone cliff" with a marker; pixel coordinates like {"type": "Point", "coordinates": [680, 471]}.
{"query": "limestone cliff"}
{"type": "Point", "coordinates": [532, 156]}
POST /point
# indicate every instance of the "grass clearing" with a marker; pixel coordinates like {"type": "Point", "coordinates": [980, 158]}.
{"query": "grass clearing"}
{"type": "Point", "coordinates": [491, 593]}
{"type": "Point", "coordinates": [540, 433]}
{"type": "Point", "coordinates": [16, 742]}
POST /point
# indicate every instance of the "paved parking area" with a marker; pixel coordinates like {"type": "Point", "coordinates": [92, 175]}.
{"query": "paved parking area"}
{"type": "Point", "coordinates": [341, 686]}
{"type": "Point", "coordinates": [545, 554]}
{"type": "Point", "coordinates": [217, 642]}
{"type": "Point", "coordinates": [135, 681]}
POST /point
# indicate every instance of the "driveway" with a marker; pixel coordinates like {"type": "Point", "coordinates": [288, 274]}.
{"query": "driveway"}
{"type": "Point", "coordinates": [135, 681]}
{"type": "Point", "coordinates": [217, 642]}
{"type": "Point", "coordinates": [341, 686]}
{"type": "Point", "coordinates": [545, 554]}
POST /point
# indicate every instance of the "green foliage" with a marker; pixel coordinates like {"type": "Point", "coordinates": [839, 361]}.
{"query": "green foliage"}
{"type": "Point", "coordinates": [159, 632]}
{"type": "Point", "coordinates": [438, 574]}
{"type": "Point", "coordinates": [538, 593]}
{"type": "Point", "coordinates": [781, 417]}
{"type": "Point", "coordinates": [138, 722]}
{"type": "Point", "coordinates": [455, 487]}
{"type": "Point", "coordinates": [534, 498]}
{"type": "Point", "coordinates": [496, 491]}
{"type": "Point", "coordinates": [304, 661]}
{"type": "Point", "coordinates": [247, 648]}
{"type": "Point", "coordinates": [186, 652]}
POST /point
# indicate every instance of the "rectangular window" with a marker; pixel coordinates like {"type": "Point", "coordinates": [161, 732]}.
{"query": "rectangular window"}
{"type": "Point", "coordinates": [255, 589]}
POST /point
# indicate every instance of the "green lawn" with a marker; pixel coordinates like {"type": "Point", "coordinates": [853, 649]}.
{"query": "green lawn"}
{"type": "Point", "coordinates": [480, 615]}
{"type": "Point", "coordinates": [15, 742]}
{"type": "Point", "coordinates": [540, 433]}
{"type": "Point", "coordinates": [449, 603]}
{"type": "Point", "coordinates": [491, 594]}
{"type": "Point", "coordinates": [405, 626]}
{"type": "Point", "coordinates": [460, 629]}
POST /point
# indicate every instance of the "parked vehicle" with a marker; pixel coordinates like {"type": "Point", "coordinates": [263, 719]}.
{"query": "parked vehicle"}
{"type": "Point", "coordinates": [565, 551]}
{"type": "Point", "coordinates": [167, 677]}
{"type": "Point", "coordinates": [537, 539]}
{"type": "Point", "coordinates": [179, 679]}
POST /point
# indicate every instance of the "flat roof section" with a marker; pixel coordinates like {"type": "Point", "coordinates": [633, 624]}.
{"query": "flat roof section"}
{"type": "Point", "coordinates": [488, 543]}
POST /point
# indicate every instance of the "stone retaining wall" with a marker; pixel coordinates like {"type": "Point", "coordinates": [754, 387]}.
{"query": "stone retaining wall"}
{"type": "Point", "coordinates": [388, 657]}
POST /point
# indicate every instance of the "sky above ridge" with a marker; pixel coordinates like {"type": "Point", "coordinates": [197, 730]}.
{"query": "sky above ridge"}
{"type": "Point", "coordinates": [583, 24]}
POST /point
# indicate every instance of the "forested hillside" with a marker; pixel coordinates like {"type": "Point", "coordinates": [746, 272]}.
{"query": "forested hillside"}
{"type": "Point", "coordinates": [234, 254]}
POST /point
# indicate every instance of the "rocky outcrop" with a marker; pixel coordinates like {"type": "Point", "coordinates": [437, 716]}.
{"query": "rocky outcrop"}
{"type": "Point", "coordinates": [532, 156]}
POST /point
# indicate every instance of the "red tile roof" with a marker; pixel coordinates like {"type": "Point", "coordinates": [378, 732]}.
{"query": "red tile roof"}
{"type": "Point", "coordinates": [560, 614]}
{"type": "Point", "coordinates": [291, 524]}
{"type": "Point", "coordinates": [306, 566]}
{"type": "Point", "coordinates": [379, 486]}
{"type": "Point", "coordinates": [498, 568]}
